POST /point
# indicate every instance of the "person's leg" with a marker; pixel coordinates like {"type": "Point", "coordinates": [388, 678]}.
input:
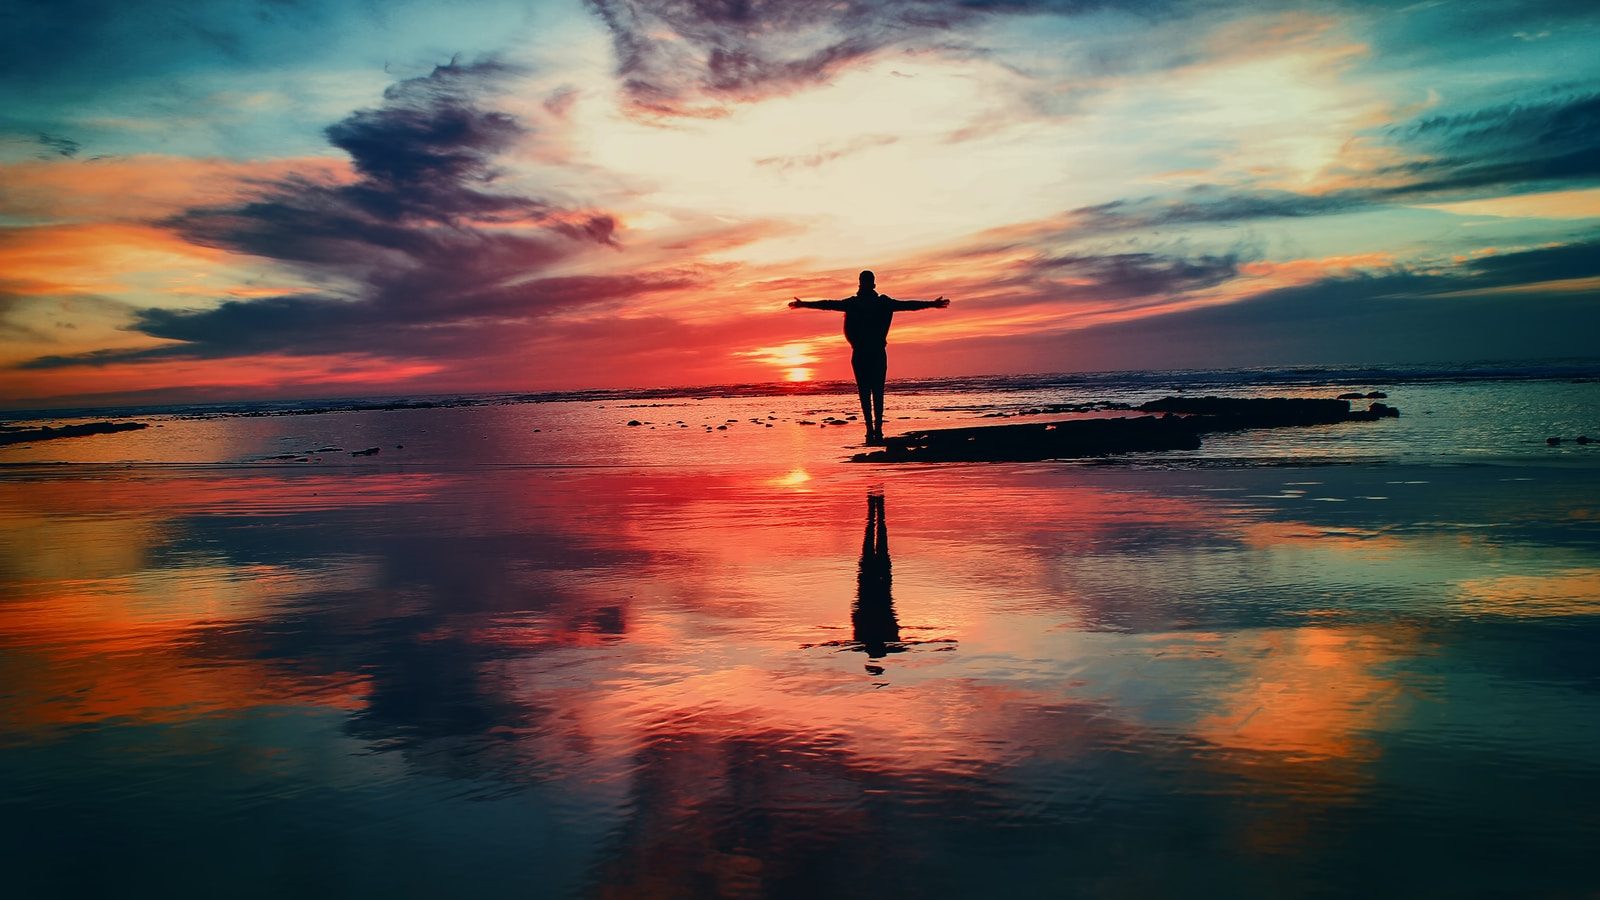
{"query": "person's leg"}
{"type": "Point", "coordinates": [863, 371]}
{"type": "Point", "coordinates": [880, 375]}
{"type": "Point", "coordinates": [877, 408]}
{"type": "Point", "coordinates": [865, 391]}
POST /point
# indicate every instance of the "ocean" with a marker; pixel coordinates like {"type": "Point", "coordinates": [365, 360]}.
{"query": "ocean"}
{"type": "Point", "coordinates": [531, 647]}
{"type": "Point", "coordinates": [1460, 414]}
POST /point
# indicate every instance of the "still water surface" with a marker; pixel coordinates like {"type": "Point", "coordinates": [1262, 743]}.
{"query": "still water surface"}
{"type": "Point", "coordinates": [796, 677]}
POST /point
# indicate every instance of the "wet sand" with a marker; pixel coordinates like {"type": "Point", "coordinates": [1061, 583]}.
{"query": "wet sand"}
{"type": "Point", "coordinates": [435, 674]}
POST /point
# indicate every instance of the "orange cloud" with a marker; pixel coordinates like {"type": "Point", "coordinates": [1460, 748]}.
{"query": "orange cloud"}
{"type": "Point", "coordinates": [98, 258]}
{"type": "Point", "coordinates": [1566, 204]}
{"type": "Point", "coordinates": [74, 285]}
{"type": "Point", "coordinates": [142, 188]}
{"type": "Point", "coordinates": [260, 376]}
{"type": "Point", "coordinates": [1302, 271]}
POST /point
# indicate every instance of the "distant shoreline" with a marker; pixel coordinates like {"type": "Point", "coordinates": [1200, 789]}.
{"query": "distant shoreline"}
{"type": "Point", "coordinates": [1211, 380]}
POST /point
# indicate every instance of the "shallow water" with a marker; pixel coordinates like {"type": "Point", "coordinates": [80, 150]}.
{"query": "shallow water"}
{"type": "Point", "coordinates": [741, 667]}
{"type": "Point", "coordinates": [1451, 422]}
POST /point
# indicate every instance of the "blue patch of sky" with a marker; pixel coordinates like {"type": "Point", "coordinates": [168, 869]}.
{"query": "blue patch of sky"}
{"type": "Point", "coordinates": [241, 79]}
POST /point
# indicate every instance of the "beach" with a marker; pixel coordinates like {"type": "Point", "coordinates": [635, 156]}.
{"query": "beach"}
{"type": "Point", "coordinates": [530, 645]}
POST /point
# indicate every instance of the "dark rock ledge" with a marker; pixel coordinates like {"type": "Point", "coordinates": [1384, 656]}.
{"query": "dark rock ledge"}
{"type": "Point", "coordinates": [46, 432]}
{"type": "Point", "coordinates": [1179, 426]}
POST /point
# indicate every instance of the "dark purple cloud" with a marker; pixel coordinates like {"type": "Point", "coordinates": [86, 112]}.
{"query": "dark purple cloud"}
{"type": "Point", "coordinates": [1120, 276]}
{"type": "Point", "coordinates": [438, 258]}
{"type": "Point", "coordinates": [1487, 308]}
{"type": "Point", "coordinates": [690, 57]}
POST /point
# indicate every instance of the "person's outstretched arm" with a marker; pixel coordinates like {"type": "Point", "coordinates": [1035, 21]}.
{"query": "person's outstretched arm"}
{"type": "Point", "coordinates": [939, 303]}
{"type": "Point", "coordinates": [797, 303]}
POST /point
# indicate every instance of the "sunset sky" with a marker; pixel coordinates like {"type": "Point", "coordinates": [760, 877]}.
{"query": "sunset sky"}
{"type": "Point", "coordinates": [209, 199]}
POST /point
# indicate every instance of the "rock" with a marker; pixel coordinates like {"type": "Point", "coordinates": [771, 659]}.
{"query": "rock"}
{"type": "Point", "coordinates": [1231, 413]}
{"type": "Point", "coordinates": [722, 428]}
{"type": "Point", "coordinates": [1353, 395]}
{"type": "Point", "coordinates": [47, 433]}
{"type": "Point", "coordinates": [1553, 441]}
{"type": "Point", "coordinates": [1377, 395]}
{"type": "Point", "coordinates": [1183, 421]}
{"type": "Point", "coordinates": [634, 423]}
{"type": "Point", "coordinates": [1036, 441]}
{"type": "Point", "coordinates": [1583, 439]}
{"type": "Point", "coordinates": [370, 451]}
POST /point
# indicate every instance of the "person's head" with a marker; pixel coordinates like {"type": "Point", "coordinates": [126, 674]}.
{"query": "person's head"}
{"type": "Point", "coordinates": [868, 282]}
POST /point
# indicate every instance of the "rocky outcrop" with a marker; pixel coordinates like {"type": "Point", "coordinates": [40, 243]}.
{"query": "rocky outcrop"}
{"type": "Point", "coordinates": [1182, 422]}
{"type": "Point", "coordinates": [47, 433]}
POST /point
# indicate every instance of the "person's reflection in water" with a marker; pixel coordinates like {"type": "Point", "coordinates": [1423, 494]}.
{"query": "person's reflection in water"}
{"type": "Point", "coordinates": [876, 630]}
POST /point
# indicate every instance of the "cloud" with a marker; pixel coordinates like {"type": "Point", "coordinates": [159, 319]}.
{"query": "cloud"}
{"type": "Point", "coordinates": [141, 188]}
{"type": "Point", "coordinates": [1030, 265]}
{"type": "Point", "coordinates": [1513, 147]}
{"type": "Point", "coordinates": [1209, 204]}
{"type": "Point", "coordinates": [11, 305]}
{"type": "Point", "coordinates": [1510, 145]}
{"type": "Point", "coordinates": [1120, 276]}
{"type": "Point", "coordinates": [492, 320]}
{"type": "Point", "coordinates": [1558, 263]}
{"type": "Point", "coordinates": [694, 57]}
{"type": "Point", "coordinates": [1526, 304]}
{"type": "Point", "coordinates": [433, 256]}
{"type": "Point", "coordinates": [828, 154]}
{"type": "Point", "coordinates": [55, 146]}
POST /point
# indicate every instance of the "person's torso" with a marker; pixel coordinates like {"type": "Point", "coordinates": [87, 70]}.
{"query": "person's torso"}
{"type": "Point", "coordinates": [867, 321]}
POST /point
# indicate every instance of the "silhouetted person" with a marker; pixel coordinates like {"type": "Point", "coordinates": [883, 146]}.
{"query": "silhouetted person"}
{"type": "Point", "coordinates": [875, 627]}
{"type": "Point", "coordinates": [867, 316]}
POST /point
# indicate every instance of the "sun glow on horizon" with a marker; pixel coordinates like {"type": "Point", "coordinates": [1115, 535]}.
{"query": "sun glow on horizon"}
{"type": "Point", "coordinates": [793, 359]}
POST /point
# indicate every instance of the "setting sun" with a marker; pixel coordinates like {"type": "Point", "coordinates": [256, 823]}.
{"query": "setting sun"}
{"type": "Point", "coordinates": [794, 359]}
